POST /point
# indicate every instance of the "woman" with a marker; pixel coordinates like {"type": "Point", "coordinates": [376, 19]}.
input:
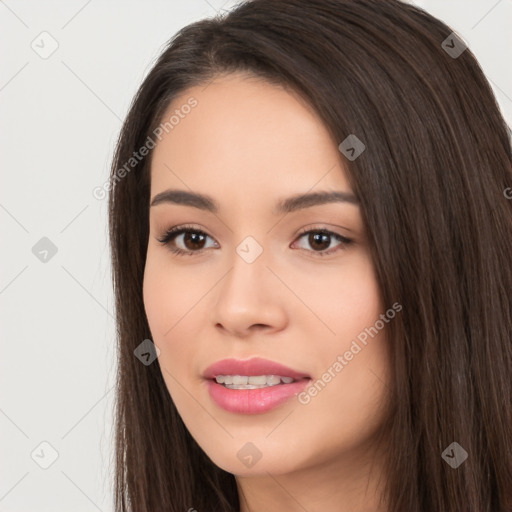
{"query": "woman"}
{"type": "Point", "coordinates": [311, 239]}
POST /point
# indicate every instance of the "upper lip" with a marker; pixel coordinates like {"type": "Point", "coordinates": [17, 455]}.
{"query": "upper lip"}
{"type": "Point", "coordinates": [251, 367]}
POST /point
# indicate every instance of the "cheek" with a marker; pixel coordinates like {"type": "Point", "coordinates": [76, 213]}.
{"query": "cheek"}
{"type": "Point", "coordinates": [176, 309]}
{"type": "Point", "coordinates": [157, 302]}
{"type": "Point", "coordinates": [166, 303]}
{"type": "Point", "coordinates": [354, 396]}
{"type": "Point", "coordinates": [357, 397]}
{"type": "Point", "coordinates": [358, 305]}
{"type": "Point", "coordinates": [343, 301]}
{"type": "Point", "coordinates": [168, 294]}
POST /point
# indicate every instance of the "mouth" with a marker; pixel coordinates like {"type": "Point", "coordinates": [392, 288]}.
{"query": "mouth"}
{"type": "Point", "coordinates": [252, 386]}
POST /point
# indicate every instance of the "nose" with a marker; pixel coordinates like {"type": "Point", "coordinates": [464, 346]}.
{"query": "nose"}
{"type": "Point", "coordinates": [249, 299]}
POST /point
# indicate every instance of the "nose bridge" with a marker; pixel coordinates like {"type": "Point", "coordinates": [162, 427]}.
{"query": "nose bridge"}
{"type": "Point", "coordinates": [249, 250]}
{"type": "Point", "coordinates": [248, 266]}
{"type": "Point", "coordinates": [246, 295]}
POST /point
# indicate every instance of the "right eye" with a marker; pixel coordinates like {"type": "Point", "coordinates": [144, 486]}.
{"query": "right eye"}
{"type": "Point", "coordinates": [192, 240]}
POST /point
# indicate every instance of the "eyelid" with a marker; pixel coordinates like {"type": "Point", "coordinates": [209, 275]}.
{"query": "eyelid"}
{"type": "Point", "coordinates": [318, 228]}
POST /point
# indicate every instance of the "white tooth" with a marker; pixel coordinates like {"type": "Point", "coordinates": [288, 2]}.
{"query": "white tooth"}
{"type": "Point", "coordinates": [246, 386]}
{"type": "Point", "coordinates": [252, 382]}
{"type": "Point", "coordinates": [272, 380]}
{"type": "Point", "coordinates": [240, 379]}
{"type": "Point", "coordinates": [258, 380]}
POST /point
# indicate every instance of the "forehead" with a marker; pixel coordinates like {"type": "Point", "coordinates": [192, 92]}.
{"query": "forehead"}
{"type": "Point", "coordinates": [244, 136]}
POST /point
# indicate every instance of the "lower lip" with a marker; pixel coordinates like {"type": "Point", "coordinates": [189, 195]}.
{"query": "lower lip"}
{"type": "Point", "coordinates": [254, 401]}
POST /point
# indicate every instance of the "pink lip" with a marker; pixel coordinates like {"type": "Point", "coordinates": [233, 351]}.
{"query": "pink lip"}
{"type": "Point", "coordinates": [251, 367]}
{"type": "Point", "coordinates": [253, 401]}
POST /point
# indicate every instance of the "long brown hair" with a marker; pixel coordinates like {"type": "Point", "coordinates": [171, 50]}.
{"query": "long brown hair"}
{"type": "Point", "coordinates": [432, 185]}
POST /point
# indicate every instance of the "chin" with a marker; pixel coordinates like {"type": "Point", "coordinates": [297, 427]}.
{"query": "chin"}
{"type": "Point", "coordinates": [252, 459]}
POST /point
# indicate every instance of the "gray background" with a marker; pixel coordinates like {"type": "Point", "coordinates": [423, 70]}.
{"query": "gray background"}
{"type": "Point", "coordinates": [60, 116]}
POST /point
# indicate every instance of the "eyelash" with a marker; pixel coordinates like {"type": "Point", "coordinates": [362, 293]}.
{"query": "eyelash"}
{"type": "Point", "coordinates": [172, 233]}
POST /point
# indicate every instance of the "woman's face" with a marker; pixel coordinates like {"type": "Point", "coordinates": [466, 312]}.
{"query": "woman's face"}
{"type": "Point", "coordinates": [252, 285]}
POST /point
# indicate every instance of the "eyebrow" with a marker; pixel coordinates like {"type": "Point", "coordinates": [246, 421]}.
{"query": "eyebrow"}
{"type": "Point", "coordinates": [288, 205]}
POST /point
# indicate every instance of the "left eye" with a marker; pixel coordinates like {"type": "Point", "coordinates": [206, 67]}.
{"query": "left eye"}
{"type": "Point", "coordinates": [321, 239]}
{"type": "Point", "coordinates": [193, 240]}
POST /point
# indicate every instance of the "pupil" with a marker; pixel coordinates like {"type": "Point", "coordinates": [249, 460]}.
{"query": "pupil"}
{"type": "Point", "coordinates": [193, 238]}
{"type": "Point", "coordinates": [319, 238]}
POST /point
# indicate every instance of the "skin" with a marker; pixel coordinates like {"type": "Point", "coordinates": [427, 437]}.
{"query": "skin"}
{"type": "Point", "coordinates": [247, 144]}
